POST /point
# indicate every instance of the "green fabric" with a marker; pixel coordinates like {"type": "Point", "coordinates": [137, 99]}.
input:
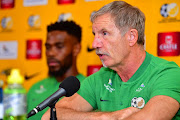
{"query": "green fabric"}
{"type": "Point", "coordinates": [40, 91]}
{"type": "Point", "coordinates": [105, 90]}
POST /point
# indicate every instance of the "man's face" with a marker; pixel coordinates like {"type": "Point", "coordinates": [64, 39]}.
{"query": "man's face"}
{"type": "Point", "coordinates": [111, 47]}
{"type": "Point", "coordinates": [59, 52]}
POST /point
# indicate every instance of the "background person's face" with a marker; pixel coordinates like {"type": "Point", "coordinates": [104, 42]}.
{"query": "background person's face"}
{"type": "Point", "coordinates": [59, 48]}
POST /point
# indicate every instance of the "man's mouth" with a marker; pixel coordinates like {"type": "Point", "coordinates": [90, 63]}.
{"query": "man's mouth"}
{"type": "Point", "coordinates": [101, 56]}
{"type": "Point", "coordinates": [52, 63]}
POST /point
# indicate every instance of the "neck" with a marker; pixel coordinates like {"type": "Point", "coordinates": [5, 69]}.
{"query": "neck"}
{"type": "Point", "coordinates": [131, 64]}
{"type": "Point", "coordinates": [72, 71]}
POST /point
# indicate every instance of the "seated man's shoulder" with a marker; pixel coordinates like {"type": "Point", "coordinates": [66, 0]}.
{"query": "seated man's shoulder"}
{"type": "Point", "coordinates": [160, 63]}
{"type": "Point", "coordinates": [44, 82]}
{"type": "Point", "coordinates": [80, 77]}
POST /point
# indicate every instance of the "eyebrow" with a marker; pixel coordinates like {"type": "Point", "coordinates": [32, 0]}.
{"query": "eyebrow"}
{"type": "Point", "coordinates": [103, 29]}
{"type": "Point", "coordinates": [54, 43]}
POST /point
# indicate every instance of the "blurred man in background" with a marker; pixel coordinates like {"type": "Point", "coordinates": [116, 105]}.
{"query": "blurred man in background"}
{"type": "Point", "coordinates": [63, 45]}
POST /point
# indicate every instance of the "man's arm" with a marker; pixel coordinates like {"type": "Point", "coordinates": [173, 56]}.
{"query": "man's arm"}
{"type": "Point", "coordinates": [158, 108]}
{"type": "Point", "coordinates": [77, 108]}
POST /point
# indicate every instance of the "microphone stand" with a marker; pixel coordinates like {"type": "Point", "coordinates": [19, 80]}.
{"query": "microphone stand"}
{"type": "Point", "coordinates": [53, 111]}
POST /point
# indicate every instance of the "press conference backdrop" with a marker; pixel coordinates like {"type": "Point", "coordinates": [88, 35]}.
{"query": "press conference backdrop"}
{"type": "Point", "coordinates": [23, 32]}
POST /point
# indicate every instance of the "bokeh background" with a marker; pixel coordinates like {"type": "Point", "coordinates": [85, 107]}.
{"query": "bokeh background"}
{"type": "Point", "coordinates": [23, 33]}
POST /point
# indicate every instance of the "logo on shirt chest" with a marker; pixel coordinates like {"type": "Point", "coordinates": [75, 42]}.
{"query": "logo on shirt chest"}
{"type": "Point", "coordinates": [109, 88]}
{"type": "Point", "coordinates": [40, 90]}
{"type": "Point", "coordinates": [137, 102]}
{"type": "Point", "coordinates": [141, 87]}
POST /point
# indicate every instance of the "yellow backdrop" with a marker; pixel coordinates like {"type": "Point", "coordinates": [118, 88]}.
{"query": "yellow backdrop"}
{"type": "Point", "coordinates": [17, 28]}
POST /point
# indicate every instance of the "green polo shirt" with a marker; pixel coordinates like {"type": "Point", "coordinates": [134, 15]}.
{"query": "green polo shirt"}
{"type": "Point", "coordinates": [105, 90]}
{"type": "Point", "coordinates": [40, 91]}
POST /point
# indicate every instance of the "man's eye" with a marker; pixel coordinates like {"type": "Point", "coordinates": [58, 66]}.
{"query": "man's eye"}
{"type": "Point", "coordinates": [47, 47]}
{"type": "Point", "coordinates": [104, 33]}
{"type": "Point", "coordinates": [59, 46]}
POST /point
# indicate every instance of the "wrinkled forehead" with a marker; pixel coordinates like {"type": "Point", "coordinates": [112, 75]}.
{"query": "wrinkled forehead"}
{"type": "Point", "coordinates": [103, 22]}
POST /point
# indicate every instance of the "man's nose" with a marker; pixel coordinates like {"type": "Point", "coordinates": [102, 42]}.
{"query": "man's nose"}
{"type": "Point", "coordinates": [51, 52]}
{"type": "Point", "coordinates": [97, 43]}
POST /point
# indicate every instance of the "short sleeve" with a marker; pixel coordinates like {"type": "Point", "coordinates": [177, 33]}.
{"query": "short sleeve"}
{"type": "Point", "coordinates": [87, 91]}
{"type": "Point", "coordinates": [167, 83]}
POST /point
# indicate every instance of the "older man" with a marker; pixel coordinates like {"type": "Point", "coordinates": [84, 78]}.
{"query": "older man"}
{"type": "Point", "coordinates": [133, 84]}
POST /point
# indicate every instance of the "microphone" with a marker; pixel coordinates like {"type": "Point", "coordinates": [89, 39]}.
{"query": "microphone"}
{"type": "Point", "coordinates": [68, 87]}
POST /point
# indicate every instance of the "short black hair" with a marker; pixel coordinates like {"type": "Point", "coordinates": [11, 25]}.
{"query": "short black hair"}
{"type": "Point", "coordinates": [69, 26]}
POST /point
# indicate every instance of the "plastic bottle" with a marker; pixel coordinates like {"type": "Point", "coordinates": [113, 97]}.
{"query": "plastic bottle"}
{"type": "Point", "coordinates": [14, 99]}
{"type": "Point", "coordinates": [1, 101]}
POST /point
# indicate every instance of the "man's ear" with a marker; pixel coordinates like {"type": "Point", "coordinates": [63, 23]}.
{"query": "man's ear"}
{"type": "Point", "coordinates": [133, 37]}
{"type": "Point", "coordinates": [76, 49]}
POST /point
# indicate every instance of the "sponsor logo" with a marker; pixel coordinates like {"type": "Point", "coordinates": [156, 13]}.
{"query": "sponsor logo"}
{"type": "Point", "coordinates": [34, 21]}
{"type": "Point", "coordinates": [169, 10]}
{"type": "Point", "coordinates": [109, 88]}
{"type": "Point", "coordinates": [168, 44]}
{"type": "Point", "coordinates": [90, 49]}
{"type": "Point", "coordinates": [142, 86]}
{"type": "Point", "coordinates": [6, 23]}
{"type": "Point", "coordinates": [27, 3]}
{"type": "Point", "coordinates": [169, 13]}
{"type": "Point", "coordinates": [40, 90]}
{"type": "Point", "coordinates": [137, 102]}
{"type": "Point", "coordinates": [28, 77]}
{"type": "Point", "coordinates": [103, 100]}
{"type": "Point", "coordinates": [6, 4]}
{"type": "Point", "coordinates": [66, 1]}
{"type": "Point", "coordinates": [33, 49]}
{"type": "Point", "coordinates": [65, 17]}
{"type": "Point", "coordinates": [8, 49]}
{"type": "Point", "coordinates": [110, 82]}
{"type": "Point", "coordinates": [93, 68]}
